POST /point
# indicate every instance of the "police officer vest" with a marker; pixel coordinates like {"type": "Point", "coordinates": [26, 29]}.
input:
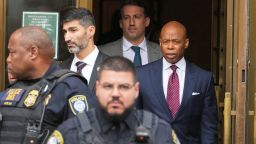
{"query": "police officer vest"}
{"type": "Point", "coordinates": [89, 128]}
{"type": "Point", "coordinates": [22, 110]}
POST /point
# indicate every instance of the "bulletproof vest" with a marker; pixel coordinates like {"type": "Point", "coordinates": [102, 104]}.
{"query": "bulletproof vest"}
{"type": "Point", "coordinates": [22, 110]}
{"type": "Point", "coordinates": [89, 128]}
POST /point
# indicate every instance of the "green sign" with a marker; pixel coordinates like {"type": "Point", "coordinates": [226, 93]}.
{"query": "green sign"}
{"type": "Point", "coordinates": [49, 21]}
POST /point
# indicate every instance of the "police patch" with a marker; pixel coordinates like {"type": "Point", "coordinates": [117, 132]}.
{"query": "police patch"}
{"type": "Point", "coordinates": [78, 104]}
{"type": "Point", "coordinates": [12, 97]}
{"type": "Point", "coordinates": [31, 98]}
{"type": "Point", "coordinates": [56, 138]}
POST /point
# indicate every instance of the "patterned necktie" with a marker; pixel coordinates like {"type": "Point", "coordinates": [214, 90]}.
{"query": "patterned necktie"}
{"type": "Point", "coordinates": [137, 57]}
{"type": "Point", "coordinates": [80, 65]}
{"type": "Point", "coordinates": [173, 98]}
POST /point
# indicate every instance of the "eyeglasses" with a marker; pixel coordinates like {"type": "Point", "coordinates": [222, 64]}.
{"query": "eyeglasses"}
{"type": "Point", "coordinates": [120, 87]}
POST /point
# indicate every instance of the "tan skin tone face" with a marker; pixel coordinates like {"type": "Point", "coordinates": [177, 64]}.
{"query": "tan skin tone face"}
{"type": "Point", "coordinates": [79, 39]}
{"type": "Point", "coordinates": [133, 23]}
{"type": "Point", "coordinates": [173, 41]}
{"type": "Point", "coordinates": [75, 36]}
{"type": "Point", "coordinates": [116, 91]}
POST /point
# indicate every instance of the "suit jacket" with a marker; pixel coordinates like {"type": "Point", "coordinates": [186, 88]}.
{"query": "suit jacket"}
{"type": "Point", "coordinates": [196, 121]}
{"type": "Point", "coordinates": [115, 48]}
{"type": "Point", "coordinates": [66, 64]}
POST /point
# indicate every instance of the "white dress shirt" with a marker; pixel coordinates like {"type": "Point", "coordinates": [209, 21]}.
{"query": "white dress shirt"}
{"type": "Point", "coordinates": [129, 53]}
{"type": "Point", "coordinates": [89, 60]}
{"type": "Point", "coordinates": [167, 71]}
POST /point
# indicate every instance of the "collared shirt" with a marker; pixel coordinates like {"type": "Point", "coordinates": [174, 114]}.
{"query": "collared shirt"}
{"type": "Point", "coordinates": [89, 60]}
{"type": "Point", "coordinates": [129, 53]}
{"type": "Point", "coordinates": [117, 132]}
{"type": "Point", "coordinates": [167, 71]}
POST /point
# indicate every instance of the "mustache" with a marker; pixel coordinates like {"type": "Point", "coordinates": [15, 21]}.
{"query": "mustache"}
{"type": "Point", "coordinates": [117, 100]}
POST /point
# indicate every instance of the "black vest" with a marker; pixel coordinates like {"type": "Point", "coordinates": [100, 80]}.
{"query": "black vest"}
{"type": "Point", "coordinates": [22, 110]}
{"type": "Point", "coordinates": [89, 128]}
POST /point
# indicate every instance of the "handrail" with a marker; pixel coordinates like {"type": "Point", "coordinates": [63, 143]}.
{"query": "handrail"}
{"type": "Point", "coordinates": [227, 118]}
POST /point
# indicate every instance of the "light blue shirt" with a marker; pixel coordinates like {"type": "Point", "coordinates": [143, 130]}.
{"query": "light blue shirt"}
{"type": "Point", "coordinates": [129, 53]}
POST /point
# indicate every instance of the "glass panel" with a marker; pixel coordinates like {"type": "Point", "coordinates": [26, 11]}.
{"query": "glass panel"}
{"type": "Point", "coordinates": [14, 9]}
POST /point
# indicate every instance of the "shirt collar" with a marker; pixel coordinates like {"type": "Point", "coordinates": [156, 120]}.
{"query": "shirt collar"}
{"type": "Point", "coordinates": [129, 121]}
{"type": "Point", "coordinates": [181, 64]}
{"type": "Point", "coordinates": [127, 45]}
{"type": "Point", "coordinates": [90, 59]}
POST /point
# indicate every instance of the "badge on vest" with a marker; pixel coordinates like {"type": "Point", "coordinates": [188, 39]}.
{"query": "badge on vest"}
{"type": "Point", "coordinates": [12, 97]}
{"type": "Point", "coordinates": [31, 98]}
{"type": "Point", "coordinates": [56, 138]}
{"type": "Point", "coordinates": [78, 104]}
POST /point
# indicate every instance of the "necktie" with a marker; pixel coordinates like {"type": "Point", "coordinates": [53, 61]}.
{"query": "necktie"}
{"type": "Point", "coordinates": [80, 65]}
{"type": "Point", "coordinates": [173, 92]}
{"type": "Point", "coordinates": [137, 57]}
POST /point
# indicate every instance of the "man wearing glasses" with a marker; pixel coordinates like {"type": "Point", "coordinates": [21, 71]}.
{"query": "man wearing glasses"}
{"type": "Point", "coordinates": [115, 121]}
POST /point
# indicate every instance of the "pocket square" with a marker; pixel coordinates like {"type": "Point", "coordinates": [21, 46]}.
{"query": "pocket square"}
{"type": "Point", "coordinates": [195, 93]}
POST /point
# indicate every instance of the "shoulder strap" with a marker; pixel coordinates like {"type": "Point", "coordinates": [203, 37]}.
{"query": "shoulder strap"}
{"type": "Point", "coordinates": [84, 122]}
{"type": "Point", "coordinates": [64, 73]}
{"type": "Point", "coordinates": [149, 121]}
{"type": "Point", "coordinates": [87, 127]}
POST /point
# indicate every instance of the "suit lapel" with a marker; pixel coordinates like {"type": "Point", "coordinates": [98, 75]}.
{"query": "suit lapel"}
{"type": "Point", "coordinates": [190, 78]}
{"type": "Point", "coordinates": [117, 48]}
{"type": "Point", "coordinates": [157, 80]}
{"type": "Point", "coordinates": [94, 71]}
{"type": "Point", "coordinates": [153, 52]}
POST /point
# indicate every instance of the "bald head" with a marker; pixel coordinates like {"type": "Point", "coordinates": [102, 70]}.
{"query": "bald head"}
{"type": "Point", "coordinates": [174, 25]}
{"type": "Point", "coordinates": [30, 53]}
{"type": "Point", "coordinates": [173, 41]}
{"type": "Point", "coordinates": [35, 36]}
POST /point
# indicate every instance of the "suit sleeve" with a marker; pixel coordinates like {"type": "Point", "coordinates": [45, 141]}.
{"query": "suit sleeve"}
{"type": "Point", "coordinates": [209, 119]}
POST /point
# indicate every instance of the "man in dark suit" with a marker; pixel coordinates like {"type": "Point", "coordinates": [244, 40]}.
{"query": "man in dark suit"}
{"type": "Point", "coordinates": [79, 28]}
{"type": "Point", "coordinates": [178, 91]}
{"type": "Point", "coordinates": [133, 22]}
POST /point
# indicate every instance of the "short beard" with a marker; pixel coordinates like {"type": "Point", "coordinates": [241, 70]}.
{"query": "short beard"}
{"type": "Point", "coordinates": [74, 50]}
{"type": "Point", "coordinates": [116, 118]}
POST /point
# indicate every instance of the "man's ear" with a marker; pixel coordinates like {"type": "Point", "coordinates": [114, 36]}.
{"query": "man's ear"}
{"type": "Point", "coordinates": [147, 21]}
{"type": "Point", "coordinates": [91, 30]}
{"type": "Point", "coordinates": [34, 50]}
{"type": "Point", "coordinates": [187, 43]}
{"type": "Point", "coordinates": [96, 88]}
{"type": "Point", "coordinates": [121, 23]}
{"type": "Point", "coordinates": [137, 89]}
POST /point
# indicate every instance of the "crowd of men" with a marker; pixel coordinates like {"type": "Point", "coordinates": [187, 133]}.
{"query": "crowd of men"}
{"type": "Point", "coordinates": [124, 92]}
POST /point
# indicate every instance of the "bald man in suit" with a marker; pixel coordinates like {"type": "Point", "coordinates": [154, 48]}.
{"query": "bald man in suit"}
{"type": "Point", "coordinates": [178, 91]}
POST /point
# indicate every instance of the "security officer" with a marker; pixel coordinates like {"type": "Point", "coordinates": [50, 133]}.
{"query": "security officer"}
{"type": "Point", "coordinates": [43, 96]}
{"type": "Point", "coordinates": [115, 121]}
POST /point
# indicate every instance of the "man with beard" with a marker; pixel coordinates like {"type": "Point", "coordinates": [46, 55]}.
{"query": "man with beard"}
{"type": "Point", "coordinates": [133, 45]}
{"type": "Point", "coordinates": [79, 28]}
{"type": "Point", "coordinates": [115, 121]}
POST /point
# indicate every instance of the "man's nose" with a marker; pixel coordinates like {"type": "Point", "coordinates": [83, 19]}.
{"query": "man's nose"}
{"type": "Point", "coordinates": [132, 21]}
{"type": "Point", "coordinates": [116, 92]}
{"type": "Point", "coordinates": [8, 59]}
{"type": "Point", "coordinates": [67, 37]}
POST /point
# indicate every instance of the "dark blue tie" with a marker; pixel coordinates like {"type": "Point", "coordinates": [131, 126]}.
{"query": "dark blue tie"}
{"type": "Point", "coordinates": [137, 57]}
{"type": "Point", "coordinates": [80, 65]}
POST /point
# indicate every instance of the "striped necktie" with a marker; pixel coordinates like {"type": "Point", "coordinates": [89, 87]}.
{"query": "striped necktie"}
{"type": "Point", "coordinates": [80, 65]}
